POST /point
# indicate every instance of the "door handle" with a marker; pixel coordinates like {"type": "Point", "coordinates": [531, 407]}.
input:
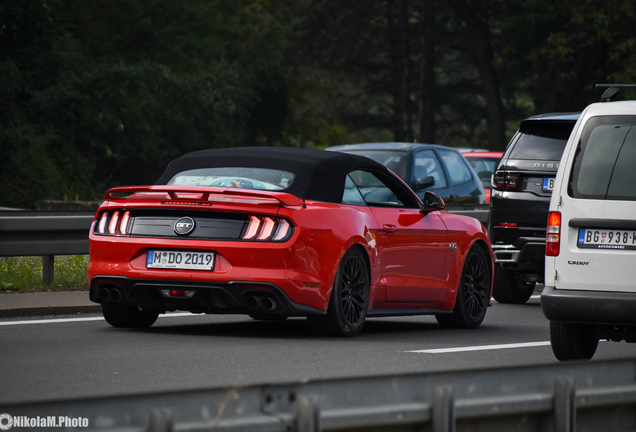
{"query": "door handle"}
{"type": "Point", "coordinates": [389, 228]}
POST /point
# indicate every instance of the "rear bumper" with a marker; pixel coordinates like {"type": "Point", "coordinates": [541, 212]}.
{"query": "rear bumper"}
{"type": "Point", "coordinates": [203, 297]}
{"type": "Point", "coordinates": [589, 307]}
{"type": "Point", "coordinates": [522, 250]}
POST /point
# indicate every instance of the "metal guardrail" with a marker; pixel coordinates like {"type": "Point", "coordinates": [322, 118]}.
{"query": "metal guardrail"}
{"type": "Point", "coordinates": [45, 233]}
{"type": "Point", "coordinates": [563, 397]}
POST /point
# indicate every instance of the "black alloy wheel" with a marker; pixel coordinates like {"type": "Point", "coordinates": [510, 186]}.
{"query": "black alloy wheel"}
{"type": "Point", "coordinates": [349, 300]}
{"type": "Point", "coordinates": [354, 290]}
{"type": "Point", "coordinates": [473, 295]}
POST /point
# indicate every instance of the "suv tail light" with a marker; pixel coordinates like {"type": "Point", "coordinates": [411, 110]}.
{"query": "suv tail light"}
{"type": "Point", "coordinates": [505, 181]}
{"type": "Point", "coordinates": [553, 234]}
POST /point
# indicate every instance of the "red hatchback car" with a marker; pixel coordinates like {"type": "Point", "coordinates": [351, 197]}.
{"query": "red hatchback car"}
{"type": "Point", "coordinates": [280, 232]}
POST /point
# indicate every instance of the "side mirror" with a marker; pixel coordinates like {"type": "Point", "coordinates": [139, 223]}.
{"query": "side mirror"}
{"type": "Point", "coordinates": [432, 202]}
{"type": "Point", "coordinates": [425, 182]}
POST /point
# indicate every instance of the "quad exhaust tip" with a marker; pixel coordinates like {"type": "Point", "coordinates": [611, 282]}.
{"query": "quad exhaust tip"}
{"type": "Point", "coordinates": [114, 295]}
{"type": "Point", "coordinates": [261, 303]}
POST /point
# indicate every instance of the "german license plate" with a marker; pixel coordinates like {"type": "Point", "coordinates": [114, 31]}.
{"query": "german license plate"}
{"type": "Point", "coordinates": [548, 184]}
{"type": "Point", "coordinates": [606, 239]}
{"type": "Point", "coordinates": [180, 260]}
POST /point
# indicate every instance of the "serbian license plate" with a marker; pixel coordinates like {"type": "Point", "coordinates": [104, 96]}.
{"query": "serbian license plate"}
{"type": "Point", "coordinates": [606, 239]}
{"type": "Point", "coordinates": [180, 260]}
{"type": "Point", "coordinates": [548, 184]}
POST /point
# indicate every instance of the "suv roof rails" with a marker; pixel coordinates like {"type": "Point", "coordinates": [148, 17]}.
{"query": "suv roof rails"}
{"type": "Point", "coordinates": [612, 89]}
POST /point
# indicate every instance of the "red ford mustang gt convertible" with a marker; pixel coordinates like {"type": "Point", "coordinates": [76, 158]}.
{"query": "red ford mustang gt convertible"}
{"type": "Point", "coordinates": [281, 232]}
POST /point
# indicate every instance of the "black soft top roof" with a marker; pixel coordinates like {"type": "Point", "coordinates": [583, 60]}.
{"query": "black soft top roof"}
{"type": "Point", "coordinates": [319, 175]}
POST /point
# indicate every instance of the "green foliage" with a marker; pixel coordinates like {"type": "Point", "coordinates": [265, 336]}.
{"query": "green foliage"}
{"type": "Point", "coordinates": [102, 93]}
{"type": "Point", "coordinates": [25, 273]}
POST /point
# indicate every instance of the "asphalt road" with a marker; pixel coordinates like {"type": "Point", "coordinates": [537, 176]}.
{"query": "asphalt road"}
{"type": "Point", "coordinates": [83, 356]}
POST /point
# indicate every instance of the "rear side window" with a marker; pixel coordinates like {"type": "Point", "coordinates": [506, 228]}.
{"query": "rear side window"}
{"type": "Point", "coordinates": [458, 169]}
{"type": "Point", "coordinates": [352, 194]}
{"type": "Point", "coordinates": [373, 190]}
{"type": "Point", "coordinates": [378, 190]}
{"type": "Point", "coordinates": [395, 160]}
{"type": "Point", "coordinates": [426, 164]}
{"type": "Point", "coordinates": [605, 160]}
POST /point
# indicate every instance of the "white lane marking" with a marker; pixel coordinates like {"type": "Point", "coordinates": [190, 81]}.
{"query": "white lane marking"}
{"type": "Point", "coordinates": [534, 297]}
{"type": "Point", "coordinates": [480, 348]}
{"type": "Point", "coordinates": [67, 320]}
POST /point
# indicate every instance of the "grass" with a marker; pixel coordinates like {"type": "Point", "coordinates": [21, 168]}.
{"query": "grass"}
{"type": "Point", "coordinates": [24, 274]}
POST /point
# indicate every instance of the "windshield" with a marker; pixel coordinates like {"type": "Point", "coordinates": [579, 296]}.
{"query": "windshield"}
{"type": "Point", "coordinates": [235, 177]}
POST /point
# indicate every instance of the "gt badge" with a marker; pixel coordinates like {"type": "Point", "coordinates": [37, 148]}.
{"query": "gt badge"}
{"type": "Point", "coordinates": [184, 226]}
{"type": "Point", "coordinates": [453, 246]}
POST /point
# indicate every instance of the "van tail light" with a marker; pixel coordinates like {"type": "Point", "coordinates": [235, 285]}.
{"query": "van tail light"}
{"type": "Point", "coordinates": [113, 223]}
{"type": "Point", "coordinates": [505, 181]}
{"type": "Point", "coordinates": [553, 234]}
{"type": "Point", "coordinates": [267, 228]}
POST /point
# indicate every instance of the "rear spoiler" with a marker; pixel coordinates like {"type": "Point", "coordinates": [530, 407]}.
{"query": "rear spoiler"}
{"type": "Point", "coordinates": [199, 195]}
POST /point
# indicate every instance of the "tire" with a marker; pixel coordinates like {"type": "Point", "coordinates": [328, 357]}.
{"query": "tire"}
{"type": "Point", "coordinates": [473, 294]}
{"type": "Point", "coordinates": [349, 299]}
{"type": "Point", "coordinates": [572, 341]}
{"type": "Point", "coordinates": [125, 316]}
{"type": "Point", "coordinates": [506, 288]}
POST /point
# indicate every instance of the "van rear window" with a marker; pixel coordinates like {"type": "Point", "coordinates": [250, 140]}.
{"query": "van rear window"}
{"type": "Point", "coordinates": [605, 160]}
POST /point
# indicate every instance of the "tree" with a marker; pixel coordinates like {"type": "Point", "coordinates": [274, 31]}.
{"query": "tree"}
{"type": "Point", "coordinates": [478, 41]}
{"type": "Point", "coordinates": [102, 93]}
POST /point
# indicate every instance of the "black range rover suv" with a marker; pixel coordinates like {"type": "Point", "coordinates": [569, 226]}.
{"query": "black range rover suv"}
{"type": "Point", "coordinates": [521, 190]}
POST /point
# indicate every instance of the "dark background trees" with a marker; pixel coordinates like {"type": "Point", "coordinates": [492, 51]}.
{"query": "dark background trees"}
{"type": "Point", "coordinates": [98, 93]}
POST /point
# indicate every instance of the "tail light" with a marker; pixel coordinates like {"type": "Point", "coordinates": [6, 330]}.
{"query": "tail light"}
{"type": "Point", "coordinates": [553, 234]}
{"type": "Point", "coordinates": [506, 225]}
{"type": "Point", "coordinates": [113, 223]}
{"type": "Point", "coordinates": [505, 181]}
{"type": "Point", "coordinates": [267, 228]}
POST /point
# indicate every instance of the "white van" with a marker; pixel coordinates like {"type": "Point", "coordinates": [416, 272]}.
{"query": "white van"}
{"type": "Point", "coordinates": [590, 266]}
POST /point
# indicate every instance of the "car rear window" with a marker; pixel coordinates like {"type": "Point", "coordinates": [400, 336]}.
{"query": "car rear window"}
{"type": "Point", "coordinates": [605, 159]}
{"type": "Point", "coordinates": [235, 177]}
{"type": "Point", "coordinates": [535, 147]}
